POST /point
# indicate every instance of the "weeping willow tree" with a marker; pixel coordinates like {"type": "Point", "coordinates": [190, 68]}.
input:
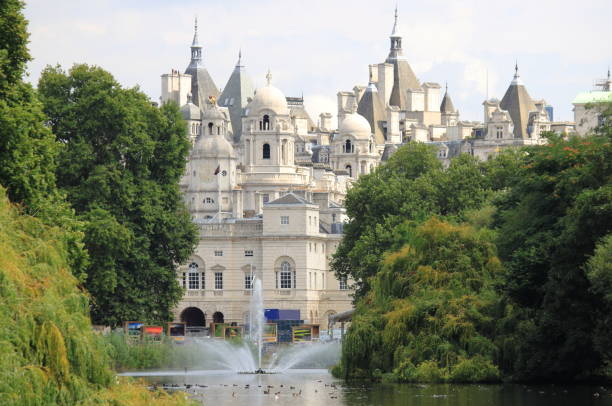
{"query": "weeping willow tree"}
{"type": "Point", "coordinates": [48, 352]}
{"type": "Point", "coordinates": [431, 312]}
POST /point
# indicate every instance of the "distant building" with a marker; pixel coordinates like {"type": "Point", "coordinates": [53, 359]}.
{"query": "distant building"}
{"type": "Point", "coordinates": [588, 106]}
{"type": "Point", "coordinates": [265, 184]}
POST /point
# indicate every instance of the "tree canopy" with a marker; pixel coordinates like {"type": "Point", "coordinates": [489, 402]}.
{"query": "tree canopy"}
{"type": "Point", "coordinates": [544, 314]}
{"type": "Point", "coordinates": [119, 166]}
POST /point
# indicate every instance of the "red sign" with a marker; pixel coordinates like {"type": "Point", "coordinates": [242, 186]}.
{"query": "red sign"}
{"type": "Point", "coordinates": [153, 330]}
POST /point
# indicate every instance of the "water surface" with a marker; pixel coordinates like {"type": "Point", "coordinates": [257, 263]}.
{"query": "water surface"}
{"type": "Point", "coordinates": [316, 387]}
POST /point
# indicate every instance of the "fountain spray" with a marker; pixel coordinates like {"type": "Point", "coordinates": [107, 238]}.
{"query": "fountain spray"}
{"type": "Point", "coordinates": [257, 319]}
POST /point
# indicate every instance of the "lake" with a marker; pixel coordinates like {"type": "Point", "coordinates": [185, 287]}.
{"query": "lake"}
{"type": "Point", "coordinates": [316, 387]}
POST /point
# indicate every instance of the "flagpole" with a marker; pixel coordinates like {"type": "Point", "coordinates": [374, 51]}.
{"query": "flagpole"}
{"type": "Point", "coordinates": [219, 194]}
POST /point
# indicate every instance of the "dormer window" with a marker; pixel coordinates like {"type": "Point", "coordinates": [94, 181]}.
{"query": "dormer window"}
{"type": "Point", "coordinates": [266, 122]}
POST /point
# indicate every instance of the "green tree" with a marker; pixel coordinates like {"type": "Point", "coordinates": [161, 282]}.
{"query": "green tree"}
{"type": "Point", "coordinates": [549, 224]}
{"type": "Point", "coordinates": [411, 186]}
{"type": "Point", "coordinates": [120, 168]}
{"type": "Point", "coordinates": [432, 310]}
{"type": "Point", "coordinates": [28, 149]}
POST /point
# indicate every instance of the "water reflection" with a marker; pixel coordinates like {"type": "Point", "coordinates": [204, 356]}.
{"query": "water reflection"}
{"type": "Point", "coordinates": [315, 387]}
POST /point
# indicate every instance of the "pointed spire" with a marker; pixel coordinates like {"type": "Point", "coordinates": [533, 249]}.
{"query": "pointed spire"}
{"type": "Point", "coordinates": [447, 105]}
{"type": "Point", "coordinates": [196, 41]}
{"type": "Point", "coordinates": [516, 80]}
{"type": "Point", "coordinates": [269, 77]}
{"type": "Point", "coordinates": [396, 29]}
{"type": "Point", "coordinates": [239, 63]}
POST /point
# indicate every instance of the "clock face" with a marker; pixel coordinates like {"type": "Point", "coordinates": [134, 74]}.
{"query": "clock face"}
{"type": "Point", "coordinates": [224, 173]}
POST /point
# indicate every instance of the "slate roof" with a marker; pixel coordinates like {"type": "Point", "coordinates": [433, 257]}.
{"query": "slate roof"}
{"type": "Point", "coordinates": [388, 151]}
{"type": "Point", "coordinates": [371, 107]}
{"type": "Point", "coordinates": [236, 93]}
{"type": "Point", "coordinates": [289, 198]}
{"type": "Point", "coordinates": [518, 103]}
{"type": "Point", "coordinates": [447, 104]}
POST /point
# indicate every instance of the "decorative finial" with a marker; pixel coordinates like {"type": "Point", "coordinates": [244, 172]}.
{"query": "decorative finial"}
{"type": "Point", "coordinates": [517, 78]}
{"type": "Point", "coordinates": [395, 31]}
{"type": "Point", "coordinates": [195, 32]}
{"type": "Point", "coordinates": [608, 72]}
{"type": "Point", "coordinates": [516, 69]}
{"type": "Point", "coordinates": [239, 63]}
{"type": "Point", "coordinates": [269, 77]}
{"type": "Point", "coordinates": [446, 85]}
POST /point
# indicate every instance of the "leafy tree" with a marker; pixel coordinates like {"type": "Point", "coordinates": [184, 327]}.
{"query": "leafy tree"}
{"type": "Point", "coordinates": [411, 186]}
{"type": "Point", "coordinates": [120, 167]}
{"type": "Point", "coordinates": [28, 150]}
{"type": "Point", "coordinates": [549, 224]}
{"type": "Point", "coordinates": [432, 310]}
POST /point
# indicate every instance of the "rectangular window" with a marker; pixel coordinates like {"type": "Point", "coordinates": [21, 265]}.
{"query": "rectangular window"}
{"type": "Point", "coordinates": [343, 283]}
{"type": "Point", "coordinates": [266, 198]}
{"type": "Point", "coordinates": [218, 253]}
{"type": "Point", "coordinates": [285, 279]}
{"type": "Point", "coordinates": [248, 281]}
{"type": "Point", "coordinates": [248, 253]}
{"type": "Point", "coordinates": [193, 281]}
{"type": "Point", "coordinates": [218, 280]}
{"type": "Point", "coordinates": [184, 280]}
{"type": "Point", "coordinates": [284, 219]}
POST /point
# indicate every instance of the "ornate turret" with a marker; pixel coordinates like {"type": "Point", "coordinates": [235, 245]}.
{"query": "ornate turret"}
{"type": "Point", "coordinates": [518, 103]}
{"type": "Point", "coordinates": [202, 85]}
{"type": "Point", "coordinates": [449, 114]}
{"type": "Point", "coordinates": [403, 76]}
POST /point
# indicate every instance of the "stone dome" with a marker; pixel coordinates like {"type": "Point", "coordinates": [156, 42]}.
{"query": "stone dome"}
{"type": "Point", "coordinates": [213, 146]}
{"type": "Point", "coordinates": [268, 98]}
{"type": "Point", "coordinates": [356, 125]}
{"type": "Point", "coordinates": [212, 113]}
{"type": "Point", "coordinates": [190, 111]}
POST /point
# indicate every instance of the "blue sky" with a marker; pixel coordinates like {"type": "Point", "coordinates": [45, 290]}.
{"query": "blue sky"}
{"type": "Point", "coordinates": [320, 47]}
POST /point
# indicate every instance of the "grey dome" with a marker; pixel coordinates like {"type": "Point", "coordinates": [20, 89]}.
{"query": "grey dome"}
{"type": "Point", "coordinates": [190, 111]}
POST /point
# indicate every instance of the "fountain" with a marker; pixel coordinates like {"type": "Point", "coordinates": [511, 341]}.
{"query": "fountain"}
{"type": "Point", "coordinates": [247, 356]}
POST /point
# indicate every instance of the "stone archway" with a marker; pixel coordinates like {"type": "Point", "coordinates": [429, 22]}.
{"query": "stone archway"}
{"type": "Point", "coordinates": [193, 317]}
{"type": "Point", "coordinates": [218, 317]}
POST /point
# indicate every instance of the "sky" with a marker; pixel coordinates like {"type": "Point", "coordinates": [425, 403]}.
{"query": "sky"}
{"type": "Point", "coordinates": [317, 48]}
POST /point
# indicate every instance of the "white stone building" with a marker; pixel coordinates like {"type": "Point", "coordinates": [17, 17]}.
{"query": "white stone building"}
{"type": "Point", "coordinates": [265, 187]}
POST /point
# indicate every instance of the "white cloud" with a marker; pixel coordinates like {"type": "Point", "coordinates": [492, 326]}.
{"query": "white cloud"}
{"type": "Point", "coordinates": [320, 47]}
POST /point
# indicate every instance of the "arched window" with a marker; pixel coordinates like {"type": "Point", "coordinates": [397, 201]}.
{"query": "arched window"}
{"type": "Point", "coordinates": [348, 147]}
{"type": "Point", "coordinates": [266, 151]}
{"type": "Point", "coordinates": [286, 276]}
{"type": "Point", "coordinates": [218, 130]}
{"type": "Point", "coordinates": [210, 128]}
{"type": "Point", "coordinates": [195, 279]}
{"type": "Point", "coordinates": [266, 122]}
{"type": "Point", "coordinates": [370, 146]}
{"type": "Point", "coordinates": [349, 169]}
